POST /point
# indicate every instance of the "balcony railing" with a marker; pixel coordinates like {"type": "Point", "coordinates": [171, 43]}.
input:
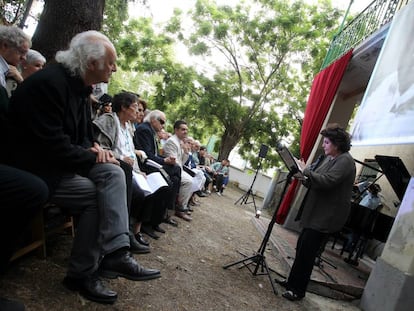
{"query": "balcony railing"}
{"type": "Point", "coordinates": [376, 15]}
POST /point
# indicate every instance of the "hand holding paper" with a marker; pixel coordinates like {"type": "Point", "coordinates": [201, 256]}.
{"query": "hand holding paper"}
{"type": "Point", "coordinates": [301, 164]}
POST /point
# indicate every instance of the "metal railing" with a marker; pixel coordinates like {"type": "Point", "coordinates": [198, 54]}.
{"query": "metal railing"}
{"type": "Point", "coordinates": [376, 15]}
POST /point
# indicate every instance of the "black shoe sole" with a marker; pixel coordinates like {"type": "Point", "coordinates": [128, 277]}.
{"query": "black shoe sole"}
{"type": "Point", "coordinates": [292, 296]}
{"type": "Point", "coordinates": [74, 288]}
{"type": "Point", "coordinates": [170, 222]}
{"type": "Point", "coordinates": [159, 230]}
{"type": "Point", "coordinates": [141, 241]}
{"type": "Point", "coordinates": [150, 233]}
{"type": "Point", "coordinates": [99, 300]}
{"type": "Point", "coordinates": [114, 274]}
{"type": "Point", "coordinates": [140, 251]}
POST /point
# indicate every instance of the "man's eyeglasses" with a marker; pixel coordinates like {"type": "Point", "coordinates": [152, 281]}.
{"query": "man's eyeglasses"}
{"type": "Point", "coordinates": [162, 122]}
{"type": "Point", "coordinates": [21, 51]}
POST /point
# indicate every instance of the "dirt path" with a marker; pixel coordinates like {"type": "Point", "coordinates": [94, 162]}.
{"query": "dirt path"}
{"type": "Point", "coordinates": [190, 258]}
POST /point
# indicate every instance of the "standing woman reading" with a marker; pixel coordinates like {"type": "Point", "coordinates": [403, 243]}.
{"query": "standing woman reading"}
{"type": "Point", "coordinates": [326, 207]}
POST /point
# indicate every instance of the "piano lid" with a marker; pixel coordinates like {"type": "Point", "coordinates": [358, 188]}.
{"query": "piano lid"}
{"type": "Point", "coordinates": [396, 173]}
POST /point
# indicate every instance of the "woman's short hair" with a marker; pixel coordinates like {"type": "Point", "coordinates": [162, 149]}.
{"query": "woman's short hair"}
{"type": "Point", "coordinates": [123, 99]}
{"type": "Point", "coordinates": [338, 136]}
{"type": "Point", "coordinates": [143, 103]}
{"type": "Point", "coordinates": [84, 48]}
{"type": "Point", "coordinates": [33, 56]}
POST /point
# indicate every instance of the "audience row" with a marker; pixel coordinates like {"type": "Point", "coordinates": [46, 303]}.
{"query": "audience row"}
{"type": "Point", "coordinates": [100, 159]}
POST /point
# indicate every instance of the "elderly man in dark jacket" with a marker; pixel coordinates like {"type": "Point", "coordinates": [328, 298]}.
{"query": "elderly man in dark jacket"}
{"type": "Point", "coordinates": [145, 139]}
{"type": "Point", "coordinates": [51, 136]}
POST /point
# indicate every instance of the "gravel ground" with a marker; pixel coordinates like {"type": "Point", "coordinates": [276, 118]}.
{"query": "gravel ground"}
{"type": "Point", "coordinates": [190, 258]}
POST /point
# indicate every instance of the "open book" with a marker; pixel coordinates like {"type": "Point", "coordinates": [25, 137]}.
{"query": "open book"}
{"type": "Point", "coordinates": [291, 163]}
{"type": "Point", "coordinates": [158, 167]}
{"type": "Point", "coordinates": [150, 183]}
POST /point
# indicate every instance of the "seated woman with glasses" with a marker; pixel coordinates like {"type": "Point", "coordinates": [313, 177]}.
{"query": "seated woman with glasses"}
{"type": "Point", "coordinates": [114, 132]}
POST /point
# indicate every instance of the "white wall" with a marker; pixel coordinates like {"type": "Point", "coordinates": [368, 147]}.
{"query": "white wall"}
{"type": "Point", "coordinates": [244, 178]}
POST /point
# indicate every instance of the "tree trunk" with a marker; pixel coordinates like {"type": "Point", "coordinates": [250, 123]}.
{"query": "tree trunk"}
{"type": "Point", "coordinates": [228, 142]}
{"type": "Point", "coordinates": [27, 8]}
{"type": "Point", "coordinates": [61, 20]}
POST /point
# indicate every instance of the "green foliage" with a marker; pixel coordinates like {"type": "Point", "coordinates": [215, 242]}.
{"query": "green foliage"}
{"type": "Point", "coordinates": [115, 14]}
{"type": "Point", "coordinates": [261, 58]}
{"type": "Point", "coordinates": [268, 52]}
{"type": "Point", "coordinates": [13, 12]}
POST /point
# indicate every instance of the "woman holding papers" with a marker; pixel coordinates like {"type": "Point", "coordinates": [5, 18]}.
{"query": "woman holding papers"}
{"type": "Point", "coordinates": [325, 208]}
{"type": "Point", "coordinates": [114, 132]}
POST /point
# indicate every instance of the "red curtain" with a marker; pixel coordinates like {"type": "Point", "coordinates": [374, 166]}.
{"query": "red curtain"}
{"type": "Point", "coordinates": [324, 88]}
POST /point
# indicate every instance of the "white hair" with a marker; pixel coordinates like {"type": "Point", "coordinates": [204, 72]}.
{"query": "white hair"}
{"type": "Point", "coordinates": [33, 56]}
{"type": "Point", "coordinates": [154, 114]}
{"type": "Point", "coordinates": [84, 47]}
{"type": "Point", "coordinates": [14, 35]}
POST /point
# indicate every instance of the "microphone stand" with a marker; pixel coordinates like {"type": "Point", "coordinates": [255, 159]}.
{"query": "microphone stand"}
{"type": "Point", "coordinates": [258, 258]}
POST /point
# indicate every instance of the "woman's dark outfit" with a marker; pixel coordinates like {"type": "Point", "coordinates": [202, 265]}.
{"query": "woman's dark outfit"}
{"type": "Point", "coordinates": [325, 211]}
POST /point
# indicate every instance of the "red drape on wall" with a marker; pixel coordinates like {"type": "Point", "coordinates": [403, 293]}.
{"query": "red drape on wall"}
{"type": "Point", "coordinates": [324, 88]}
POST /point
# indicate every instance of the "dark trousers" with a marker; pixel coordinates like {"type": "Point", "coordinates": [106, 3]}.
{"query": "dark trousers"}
{"type": "Point", "coordinates": [128, 181]}
{"type": "Point", "coordinates": [308, 245]}
{"type": "Point", "coordinates": [219, 180]}
{"type": "Point", "coordinates": [159, 202]}
{"type": "Point", "coordinates": [174, 171]}
{"type": "Point", "coordinates": [174, 182]}
{"type": "Point", "coordinates": [21, 196]}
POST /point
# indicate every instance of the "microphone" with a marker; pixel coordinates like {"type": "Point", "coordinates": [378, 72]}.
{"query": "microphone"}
{"type": "Point", "coordinates": [279, 145]}
{"type": "Point", "coordinates": [318, 161]}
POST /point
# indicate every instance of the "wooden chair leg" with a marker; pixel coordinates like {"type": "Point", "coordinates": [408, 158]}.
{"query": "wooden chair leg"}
{"type": "Point", "coordinates": [37, 238]}
{"type": "Point", "coordinates": [39, 233]}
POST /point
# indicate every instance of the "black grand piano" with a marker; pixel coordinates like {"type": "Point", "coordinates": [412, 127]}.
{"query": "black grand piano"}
{"type": "Point", "coordinates": [364, 224]}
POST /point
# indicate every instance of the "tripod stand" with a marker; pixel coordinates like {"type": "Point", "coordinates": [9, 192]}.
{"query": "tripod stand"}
{"type": "Point", "coordinates": [245, 197]}
{"type": "Point", "coordinates": [258, 258]}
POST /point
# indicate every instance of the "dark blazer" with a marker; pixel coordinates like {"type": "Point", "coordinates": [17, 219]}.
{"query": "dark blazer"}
{"type": "Point", "coordinates": [328, 201]}
{"type": "Point", "coordinates": [50, 126]}
{"type": "Point", "coordinates": [144, 139]}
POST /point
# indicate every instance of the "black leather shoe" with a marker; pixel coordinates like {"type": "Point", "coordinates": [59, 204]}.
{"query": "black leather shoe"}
{"type": "Point", "coordinates": [158, 229]}
{"type": "Point", "coordinates": [92, 288]}
{"type": "Point", "coordinates": [137, 248]}
{"type": "Point", "coordinates": [183, 215]}
{"type": "Point", "coordinates": [170, 221]}
{"type": "Point", "coordinates": [292, 296]}
{"type": "Point", "coordinates": [150, 232]}
{"type": "Point", "coordinates": [11, 305]}
{"type": "Point", "coordinates": [185, 211]}
{"type": "Point", "coordinates": [141, 240]}
{"type": "Point", "coordinates": [201, 194]}
{"type": "Point", "coordinates": [123, 264]}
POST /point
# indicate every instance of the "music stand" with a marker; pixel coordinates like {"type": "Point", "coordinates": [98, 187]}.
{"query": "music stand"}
{"type": "Point", "coordinates": [258, 258]}
{"type": "Point", "coordinates": [245, 197]}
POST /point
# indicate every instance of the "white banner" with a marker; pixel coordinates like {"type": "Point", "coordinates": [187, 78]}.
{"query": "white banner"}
{"type": "Point", "coordinates": [386, 114]}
